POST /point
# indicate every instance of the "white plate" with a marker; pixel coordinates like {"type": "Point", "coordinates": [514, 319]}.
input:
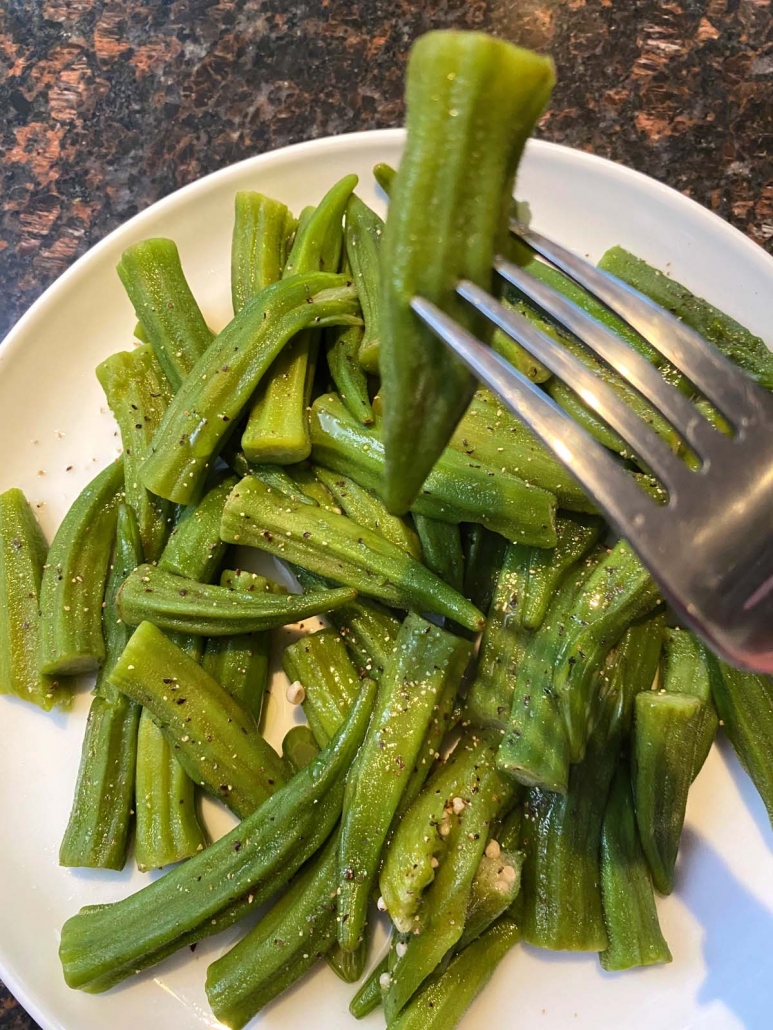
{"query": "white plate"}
{"type": "Point", "coordinates": [719, 923]}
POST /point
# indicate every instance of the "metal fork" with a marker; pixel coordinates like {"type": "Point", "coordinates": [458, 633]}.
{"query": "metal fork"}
{"type": "Point", "coordinates": [710, 547]}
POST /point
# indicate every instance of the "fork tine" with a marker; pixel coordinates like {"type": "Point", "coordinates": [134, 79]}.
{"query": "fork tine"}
{"type": "Point", "coordinates": [651, 449]}
{"type": "Point", "coordinates": [615, 492]}
{"type": "Point", "coordinates": [713, 374]}
{"type": "Point", "coordinates": [644, 376]}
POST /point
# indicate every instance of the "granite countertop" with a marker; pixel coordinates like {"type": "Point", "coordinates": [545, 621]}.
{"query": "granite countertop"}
{"type": "Point", "coordinates": [107, 105]}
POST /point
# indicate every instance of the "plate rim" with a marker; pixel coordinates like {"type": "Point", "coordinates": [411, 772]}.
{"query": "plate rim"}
{"type": "Point", "coordinates": [15, 337]}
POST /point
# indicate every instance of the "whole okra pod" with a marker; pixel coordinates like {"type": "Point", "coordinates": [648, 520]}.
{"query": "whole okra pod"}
{"type": "Point", "coordinates": [334, 546]}
{"type": "Point", "coordinates": [177, 603]}
{"type": "Point", "coordinates": [426, 659]}
{"type": "Point", "coordinates": [73, 584]}
{"type": "Point", "coordinates": [201, 415]}
{"type": "Point", "coordinates": [23, 551]}
{"type": "Point", "coordinates": [104, 944]}
{"type": "Point", "coordinates": [170, 317]}
{"type": "Point", "coordinates": [215, 740]}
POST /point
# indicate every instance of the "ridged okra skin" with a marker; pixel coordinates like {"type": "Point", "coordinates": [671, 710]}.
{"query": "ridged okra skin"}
{"type": "Point", "coordinates": [73, 584]}
{"type": "Point", "coordinates": [336, 547]}
{"type": "Point", "coordinates": [262, 233]}
{"type": "Point", "coordinates": [23, 551]}
{"type": "Point", "coordinates": [363, 234]}
{"type": "Point", "coordinates": [204, 410]}
{"type": "Point", "coordinates": [441, 548]}
{"type": "Point", "coordinates": [686, 669]}
{"type": "Point", "coordinates": [459, 488]}
{"type": "Point", "coordinates": [138, 394]}
{"type": "Point", "coordinates": [97, 833]}
{"type": "Point", "coordinates": [321, 664]}
{"type": "Point", "coordinates": [104, 944]}
{"type": "Point", "coordinates": [194, 548]}
{"type": "Point", "coordinates": [169, 315]}
{"type": "Point", "coordinates": [426, 661]}
{"type": "Point", "coordinates": [472, 102]}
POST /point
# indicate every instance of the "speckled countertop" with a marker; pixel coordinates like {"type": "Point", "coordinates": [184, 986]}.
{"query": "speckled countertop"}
{"type": "Point", "coordinates": [107, 105]}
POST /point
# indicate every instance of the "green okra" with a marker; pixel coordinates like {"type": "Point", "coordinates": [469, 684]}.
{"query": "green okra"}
{"type": "Point", "coordinates": [744, 702]}
{"type": "Point", "coordinates": [368, 629]}
{"type": "Point", "coordinates": [348, 965]}
{"type": "Point", "coordinates": [363, 234]}
{"type": "Point", "coordinates": [630, 915]}
{"type": "Point", "coordinates": [547, 569]}
{"type": "Point", "coordinates": [97, 832]}
{"type": "Point", "coordinates": [441, 548]}
{"type": "Point", "coordinates": [321, 664]}
{"type": "Point", "coordinates": [23, 551]}
{"type": "Point", "coordinates": [73, 584]}
{"type": "Point", "coordinates": [204, 410]}
{"type": "Point", "coordinates": [368, 510]}
{"type": "Point", "coordinates": [240, 663]}
{"type": "Point", "coordinates": [630, 669]}
{"type": "Point", "coordinates": [445, 996]}
{"type": "Point", "coordinates": [484, 552]}
{"type": "Point", "coordinates": [426, 659]}
{"type": "Point", "coordinates": [368, 997]}
{"type": "Point", "coordinates": [748, 351]}
{"type": "Point", "coordinates": [194, 549]}
{"type": "Point", "coordinates": [342, 349]}
{"type": "Point", "coordinates": [299, 747]}
{"type": "Point", "coordinates": [419, 845]}
{"type": "Point", "coordinates": [305, 478]}
{"type": "Point", "coordinates": [665, 738]}
{"type": "Point", "coordinates": [138, 394]}
{"type": "Point", "coordinates": [201, 609]}
{"type": "Point", "coordinates": [507, 348]}
{"type": "Point", "coordinates": [472, 102]}
{"type": "Point", "coordinates": [335, 546]}
{"type": "Point", "coordinates": [492, 435]}
{"type": "Point", "coordinates": [286, 942]}
{"type": "Point", "coordinates": [275, 476]}
{"type": "Point", "coordinates": [440, 919]}
{"type": "Point", "coordinates": [495, 887]}
{"type": "Point", "coordinates": [384, 175]}
{"type": "Point", "coordinates": [259, 246]}
{"type": "Point", "coordinates": [277, 430]}
{"type": "Point", "coordinates": [169, 315]}
{"type": "Point", "coordinates": [103, 944]}
{"type": "Point", "coordinates": [459, 488]}
{"type": "Point", "coordinates": [215, 740]}
{"type": "Point", "coordinates": [686, 670]}
{"type": "Point", "coordinates": [167, 827]}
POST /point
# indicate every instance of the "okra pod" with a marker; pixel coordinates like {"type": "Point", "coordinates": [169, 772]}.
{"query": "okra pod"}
{"type": "Point", "coordinates": [419, 845]}
{"type": "Point", "coordinates": [547, 569]}
{"type": "Point", "coordinates": [138, 394]}
{"type": "Point", "coordinates": [630, 669]}
{"type": "Point", "coordinates": [215, 740]}
{"type": "Point", "coordinates": [492, 435]}
{"type": "Point", "coordinates": [472, 102]}
{"type": "Point", "coordinates": [168, 828]}
{"type": "Point", "coordinates": [194, 549]}
{"type": "Point", "coordinates": [259, 245]}
{"type": "Point", "coordinates": [495, 887]}
{"type": "Point", "coordinates": [278, 427]}
{"type": "Point", "coordinates": [665, 737]}
{"type": "Point", "coordinates": [686, 670]}
{"type": "Point", "coordinates": [630, 916]}
{"type": "Point", "coordinates": [348, 965]}
{"type": "Point", "coordinates": [343, 348]}
{"type": "Point", "coordinates": [23, 551]}
{"type": "Point", "coordinates": [363, 234]}
{"type": "Point", "coordinates": [426, 659]}
{"type": "Point", "coordinates": [240, 663]}
{"type": "Point", "coordinates": [745, 705]}
{"type": "Point", "coordinates": [446, 996]}
{"type": "Point", "coordinates": [368, 629]}
{"type": "Point", "coordinates": [321, 664]}
{"type": "Point", "coordinates": [464, 828]}
{"type": "Point", "coordinates": [170, 317]}
{"type": "Point", "coordinates": [368, 997]}
{"type": "Point", "coordinates": [305, 478]}
{"type": "Point", "coordinates": [73, 584]}
{"type": "Point", "coordinates": [749, 352]}
{"type": "Point", "coordinates": [459, 488]}
{"type": "Point", "coordinates": [299, 747]}
{"type": "Point", "coordinates": [98, 828]}
{"type": "Point", "coordinates": [104, 944]}
{"type": "Point", "coordinates": [441, 548]}
{"type": "Point", "coordinates": [384, 175]}
{"type": "Point", "coordinates": [177, 603]}
{"type": "Point", "coordinates": [368, 510]}
{"type": "Point", "coordinates": [202, 413]}
{"type": "Point", "coordinates": [287, 941]}
{"type": "Point", "coordinates": [484, 552]}
{"type": "Point", "coordinates": [275, 476]}
{"type": "Point", "coordinates": [335, 546]}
